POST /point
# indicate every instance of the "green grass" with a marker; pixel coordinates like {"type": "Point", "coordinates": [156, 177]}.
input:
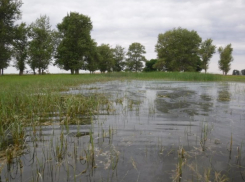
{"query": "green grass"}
{"type": "Point", "coordinates": [176, 76]}
{"type": "Point", "coordinates": [235, 78]}
{"type": "Point", "coordinates": [53, 82]}
{"type": "Point", "coordinates": [172, 76]}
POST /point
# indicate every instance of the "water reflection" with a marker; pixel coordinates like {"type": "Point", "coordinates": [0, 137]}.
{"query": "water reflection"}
{"type": "Point", "coordinates": [224, 94]}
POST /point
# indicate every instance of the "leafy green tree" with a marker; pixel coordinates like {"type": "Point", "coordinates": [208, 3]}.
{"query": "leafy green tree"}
{"type": "Point", "coordinates": [149, 65]}
{"type": "Point", "coordinates": [179, 49]}
{"type": "Point", "coordinates": [57, 38]}
{"type": "Point", "coordinates": [199, 64]}
{"type": "Point", "coordinates": [135, 57]}
{"type": "Point", "coordinates": [92, 57]}
{"type": "Point", "coordinates": [119, 57]}
{"type": "Point", "coordinates": [20, 48]}
{"type": "Point", "coordinates": [206, 52]}
{"type": "Point", "coordinates": [9, 13]}
{"type": "Point", "coordinates": [225, 58]}
{"type": "Point", "coordinates": [41, 45]}
{"type": "Point", "coordinates": [76, 39]}
{"type": "Point", "coordinates": [106, 61]}
{"type": "Point", "coordinates": [160, 65]}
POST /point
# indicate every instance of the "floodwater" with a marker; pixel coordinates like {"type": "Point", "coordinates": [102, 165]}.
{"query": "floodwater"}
{"type": "Point", "coordinates": [150, 131]}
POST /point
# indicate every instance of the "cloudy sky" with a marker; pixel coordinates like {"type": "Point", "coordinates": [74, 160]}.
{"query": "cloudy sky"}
{"type": "Point", "coordinates": [126, 21]}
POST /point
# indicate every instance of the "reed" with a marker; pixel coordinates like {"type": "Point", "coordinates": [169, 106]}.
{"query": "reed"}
{"type": "Point", "coordinates": [181, 162]}
{"type": "Point", "coordinates": [205, 130]}
{"type": "Point", "coordinates": [230, 150]}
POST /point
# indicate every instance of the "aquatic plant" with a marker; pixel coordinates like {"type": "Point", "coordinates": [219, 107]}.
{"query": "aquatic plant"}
{"type": "Point", "coordinates": [205, 130]}
{"type": "Point", "coordinates": [84, 132]}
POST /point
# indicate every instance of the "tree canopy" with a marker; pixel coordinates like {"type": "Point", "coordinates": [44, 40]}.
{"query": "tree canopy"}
{"type": "Point", "coordinates": [225, 58]}
{"type": "Point", "coordinates": [92, 57]}
{"type": "Point", "coordinates": [149, 65]}
{"type": "Point", "coordinates": [41, 45]}
{"type": "Point", "coordinates": [9, 13]}
{"type": "Point", "coordinates": [20, 47]}
{"type": "Point", "coordinates": [119, 56]}
{"type": "Point", "coordinates": [106, 61]}
{"type": "Point", "coordinates": [135, 57]}
{"type": "Point", "coordinates": [179, 50]}
{"type": "Point", "coordinates": [206, 52]}
{"type": "Point", "coordinates": [75, 43]}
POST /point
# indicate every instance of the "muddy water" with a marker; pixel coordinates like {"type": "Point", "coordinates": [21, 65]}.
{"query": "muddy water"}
{"type": "Point", "coordinates": [150, 131]}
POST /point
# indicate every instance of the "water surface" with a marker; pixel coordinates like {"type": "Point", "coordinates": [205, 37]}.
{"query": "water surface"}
{"type": "Point", "coordinates": [149, 131]}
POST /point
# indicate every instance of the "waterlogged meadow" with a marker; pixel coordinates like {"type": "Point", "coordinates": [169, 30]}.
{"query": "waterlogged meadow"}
{"type": "Point", "coordinates": [123, 127]}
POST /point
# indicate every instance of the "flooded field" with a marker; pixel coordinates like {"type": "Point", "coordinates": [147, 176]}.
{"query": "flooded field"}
{"type": "Point", "coordinates": [143, 131]}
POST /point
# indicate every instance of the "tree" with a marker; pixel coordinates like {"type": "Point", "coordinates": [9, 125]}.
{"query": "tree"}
{"type": "Point", "coordinates": [206, 52]}
{"type": "Point", "coordinates": [149, 65]}
{"type": "Point", "coordinates": [225, 58]}
{"type": "Point", "coordinates": [160, 65]}
{"type": "Point", "coordinates": [41, 46]}
{"type": "Point", "coordinates": [9, 13]}
{"type": "Point", "coordinates": [92, 57]}
{"type": "Point", "coordinates": [106, 61]}
{"type": "Point", "coordinates": [20, 47]}
{"type": "Point", "coordinates": [119, 56]}
{"type": "Point", "coordinates": [135, 57]}
{"type": "Point", "coordinates": [179, 49]}
{"type": "Point", "coordinates": [75, 31]}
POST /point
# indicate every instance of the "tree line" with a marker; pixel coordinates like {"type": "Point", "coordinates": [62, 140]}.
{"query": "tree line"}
{"type": "Point", "coordinates": [71, 47]}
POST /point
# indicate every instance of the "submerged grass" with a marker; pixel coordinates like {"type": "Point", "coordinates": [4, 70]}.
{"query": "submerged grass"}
{"type": "Point", "coordinates": [29, 98]}
{"type": "Point", "coordinates": [32, 100]}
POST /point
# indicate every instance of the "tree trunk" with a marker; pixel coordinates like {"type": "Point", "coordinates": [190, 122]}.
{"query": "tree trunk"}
{"type": "Point", "coordinates": [72, 71]}
{"type": "Point", "coordinates": [136, 69]}
{"type": "Point", "coordinates": [76, 71]}
{"type": "Point", "coordinates": [39, 71]}
{"type": "Point", "coordinates": [205, 71]}
{"type": "Point", "coordinates": [21, 72]}
{"type": "Point", "coordinates": [2, 72]}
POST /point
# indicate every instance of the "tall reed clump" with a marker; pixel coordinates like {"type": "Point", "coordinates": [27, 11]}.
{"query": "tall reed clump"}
{"type": "Point", "coordinates": [32, 100]}
{"type": "Point", "coordinates": [205, 130]}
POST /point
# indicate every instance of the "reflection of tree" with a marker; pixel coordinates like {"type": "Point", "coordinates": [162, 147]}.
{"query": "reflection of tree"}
{"type": "Point", "coordinates": [206, 104]}
{"type": "Point", "coordinates": [224, 95]}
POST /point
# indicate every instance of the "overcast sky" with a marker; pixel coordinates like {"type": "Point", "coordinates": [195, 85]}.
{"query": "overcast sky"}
{"type": "Point", "coordinates": [126, 21]}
